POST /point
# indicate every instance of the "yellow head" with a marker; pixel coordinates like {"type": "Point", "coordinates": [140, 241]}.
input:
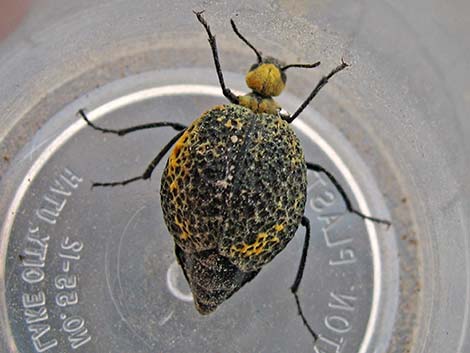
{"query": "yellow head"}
{"type": "Point", "coordinates": [266, 78]}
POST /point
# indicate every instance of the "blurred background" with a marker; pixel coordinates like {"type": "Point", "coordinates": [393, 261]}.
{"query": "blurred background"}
{"type": "Point", "coordinates": [11, 14]}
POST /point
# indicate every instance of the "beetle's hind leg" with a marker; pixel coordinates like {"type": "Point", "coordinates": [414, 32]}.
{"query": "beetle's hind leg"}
{"type": "Point", "coordinates": [226, 91]}
{"type": "Point", "coordinates": [347, 201]}
{"type": "Point", "coordinates": [122, 132]}
{"type": "Point", "coordinates": [150, 168]}
{"type": "Point", "coordinates": [298, 278]}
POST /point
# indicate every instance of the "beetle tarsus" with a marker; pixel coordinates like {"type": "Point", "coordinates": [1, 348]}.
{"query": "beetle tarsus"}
{"type": "Point", "coordinates": [298, 278]}
{"type": "Point", "coordinates": [122, 132]}
{"type": "Point", "coordinates": [117, 183]}
{"type": "Point", "coordinates": [347, 201]}
{"type": "Point", "coordinates": [150, 168]}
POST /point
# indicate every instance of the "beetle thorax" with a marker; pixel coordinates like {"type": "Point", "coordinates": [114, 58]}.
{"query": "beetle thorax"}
{"type": "Point", "coordinates": [259, 104]}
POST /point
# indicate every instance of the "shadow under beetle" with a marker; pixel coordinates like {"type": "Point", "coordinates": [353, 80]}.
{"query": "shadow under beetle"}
{"type": "Point", "coordinates": [233, 190]}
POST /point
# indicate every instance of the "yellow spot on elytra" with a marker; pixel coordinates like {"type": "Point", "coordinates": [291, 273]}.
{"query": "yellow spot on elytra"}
{"type": "Point", "coordinates": [173, 185]}
{"type": "Point", "coordinates": [256, 248]}
{"type": "Point", "coordinates": [279, 227]}
{"type": "Point", "coordinates": [184, 235]}
{"type": "Point", "coordinates": [183, 227]}
{"type": "Point", "coordinates": [177, 149]}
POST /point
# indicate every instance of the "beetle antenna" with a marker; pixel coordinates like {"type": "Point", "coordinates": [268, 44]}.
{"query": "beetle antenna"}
{"type": "Point", "coordinates": [235, 29]}
{"type": "Point", "coordinates": [305, 66]}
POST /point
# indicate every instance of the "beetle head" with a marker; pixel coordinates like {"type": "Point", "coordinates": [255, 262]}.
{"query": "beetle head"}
{"type": "Point", "coordinates": [266, 77]}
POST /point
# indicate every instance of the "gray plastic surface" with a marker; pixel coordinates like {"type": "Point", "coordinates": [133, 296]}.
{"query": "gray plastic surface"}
{"type": "Point", "coordinates": [394, 128]}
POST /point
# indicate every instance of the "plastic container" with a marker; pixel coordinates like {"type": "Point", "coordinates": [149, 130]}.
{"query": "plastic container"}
{"type": "Point", "coordinates": [94, 270]}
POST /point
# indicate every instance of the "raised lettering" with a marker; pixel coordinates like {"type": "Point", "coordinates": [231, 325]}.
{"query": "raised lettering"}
{"type": "Point", "coordinates": [32, 275]}
{"type": "Point", "coordinates": [34, 300]}
{"type": "Point", "coordinates": [57, 205]}
{"type": "Point", "coordinates": [36, 315]}
{"type": "Point", "coordinates": [346, 257]}
{"type": "Point", "coordinates": [71, 178]}
{"type": "Point", "coordinates": [75, 246]}
{"type": "Point", "coordinates": [60, 189]}
{"type": "Point", "coordinates": [41, 344]}
{"type": "Point", "coordinates": [36, 239]}
{"type": "Point", "coordinates": [326, 343]}
{"type": "Point", "coordinates": [55, 201]}
{"type": "Point", "coordinates": [47, 215]}
{"type": "Point", "coordinates": [328, 220]}
{"type": "Point", "coordinates": [40, 254]}
{"type": "Point", "coordinates": [64, 299]}
{"type": "Point", "coordinates": [64, 281]}
{"type": "Point", "coordinates": [342, 302]}
{"type": "Point", "coordinates": [75, 325]}
{"type": "Point", "coordinates": [337, 324]}
{"type": "Point", "coordinates": [322, 200]}
{"type": "Point", "coordinates": [29, 262]}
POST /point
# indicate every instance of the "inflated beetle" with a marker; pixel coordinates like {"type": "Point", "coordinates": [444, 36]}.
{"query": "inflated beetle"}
{"type": "Point", "coordinates": [233, 191]}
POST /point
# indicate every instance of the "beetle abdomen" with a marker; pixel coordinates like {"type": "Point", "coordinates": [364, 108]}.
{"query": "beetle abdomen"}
{"type": "Point", "coordinates": [235, 181]}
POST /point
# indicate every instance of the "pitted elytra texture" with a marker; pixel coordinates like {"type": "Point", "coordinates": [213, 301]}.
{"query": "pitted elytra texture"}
{"type": "Point", "coordinates": [249, 172]}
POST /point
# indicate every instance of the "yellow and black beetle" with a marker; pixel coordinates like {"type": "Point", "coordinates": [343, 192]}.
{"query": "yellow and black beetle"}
{"type": "Point", "coordinates": [233, 190]}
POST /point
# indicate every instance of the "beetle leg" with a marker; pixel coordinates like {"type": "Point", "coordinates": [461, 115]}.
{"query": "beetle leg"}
{"type": "Point", "coordinates": [323, 81]}
{"type": "Point", "coordinates": [150, 168]}
{"type": "Point", "coordinates": [298, 278]}
{"type": "Point", "coordinates": [122, 132]}
{"type": "Point", "coordinates": [347, 201]}
{"type": "Point", "coordinates": [226, 91]}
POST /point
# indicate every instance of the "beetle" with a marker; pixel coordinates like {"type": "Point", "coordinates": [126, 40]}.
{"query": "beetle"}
{"type": "Point", "coordinates": [234, 187]}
